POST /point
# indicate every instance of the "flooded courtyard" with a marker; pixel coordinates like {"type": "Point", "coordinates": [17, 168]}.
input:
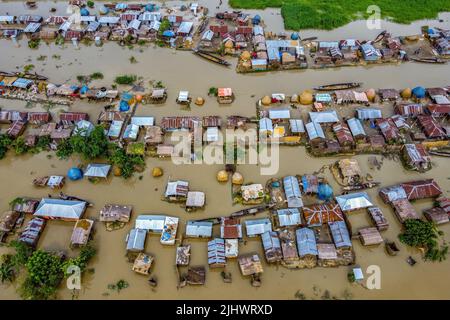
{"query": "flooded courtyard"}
{"type": "Point", "coordinates": [184, 71]}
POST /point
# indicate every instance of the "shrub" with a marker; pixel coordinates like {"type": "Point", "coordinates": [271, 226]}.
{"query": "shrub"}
{"type": "Point", "coordinates": [125, 79]}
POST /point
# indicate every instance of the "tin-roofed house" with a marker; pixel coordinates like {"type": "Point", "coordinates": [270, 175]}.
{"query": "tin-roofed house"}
{"type": "Point", "coordinates": [32, 232]}
{"type": "Point", "coordinates": [195, 200]}
{"type": "Point", "coordinates": [289, 217]}
{"type": "Point", "coordinates": [421, 189]}
{"type": "Point", "coordinates": [255, 227]}
{"type": "Point", "coordinates": [199, 229]}
{"type": "Point", "coordinates": [392, 193]}
{"type": "Point", "coordinates": [230, 228]}
{"type": "Point", "coordinates": [389, 130]}
{"type": "Point", "coordinates": [404, 210]}
{"type": "Point", "coordinates": [343, 135]}
{"type": "Point", "coordinates": [67, 210]}
{"type": "Point", "coordinates": [177, 191]}
{"type": "Point", "coordinates": [81, 232]}
{"type": "Point", "coordinates": [341, 236]}
{"type": "Point", "coordinates": [370, 236]}
{"type": "Point", "coordinates": [378, 218]}
{"type": "Point", "coordinates": [288, 246]}
{"type": "Point", "coordinates": [306, 243]}
{"type": "Point", "coordinates": [368, 113]}
{"type": "Point", "coordinates": [357, 129]}
{"type": "Point", "coordinates": [216, 253]}
{"type": "Point", "coordinates": [250, 264]}
{"type": "Point", "coordinates": [115, 213]}
{"type": "Point", "coordinates": [97, 170]}
{"type": "Point", "coordinates": [354, 201]}
{"type": "Point", "coordinates": [416, 157]}
{"type": "Point", "coordinates": [136, 240]}
{"type": "Point", "coordinates": [272, 246]}
{"type": "Point", "coordinates": [315, 134]}
{"type": "Point", "coordinates": [317, 214]}
{"type": "Point", "coordinates": [292, 192]}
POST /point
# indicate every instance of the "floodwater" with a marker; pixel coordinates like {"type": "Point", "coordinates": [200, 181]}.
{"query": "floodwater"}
{"type": "Point", "coordinates": [182, 70]}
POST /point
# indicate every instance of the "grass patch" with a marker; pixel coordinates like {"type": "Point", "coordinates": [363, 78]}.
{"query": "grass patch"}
{"type": "Point", "coordinates": [330, 14]}
{"type": "Point", "coordinates": [125, 79]}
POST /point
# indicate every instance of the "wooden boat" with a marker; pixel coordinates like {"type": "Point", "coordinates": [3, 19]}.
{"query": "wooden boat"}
{"type": "Point", "coordinates": [380, 36]}
{"type": "Point", "coordinates": [309, 39]}
{"type": "Point", "coordinates": [391, 248]}
{"type": "Point", "coordinates": [439, 153]}
{"type": "Point", "coordinates": [429, 60]}
{"type": "Point", "coordinates": [31, 4]}
{"type": "Point", "coordinates": [361, 186]}
{"type": "Point", "coordinates": [26, 75]}
{"type": "Point", "coordinates": [210, 57]}
{"type": "Point", "coordinates": [338, 86]}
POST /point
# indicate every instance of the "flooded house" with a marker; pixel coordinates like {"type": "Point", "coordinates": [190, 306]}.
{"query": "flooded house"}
{"type": "Point", "coordinates": [392, 193]}
{"type": "Point", "coordinates": [326, 118]}
{"type": "Point", "coordinates": [368, 114]}
{"type": "Point", "coordinates": [32, 232]}
{"type": "Point", "coordinates": [288, 245]}
{"type": "Point", "coordinates": [250, 264]}
{"type": "Point", "coordinates": [115, 213]}
{"type": "Point", "coordinates": [349, 171]}
{"type": "Point", "coordinates": [230, 228]}
{"type": "Point", "coordinates": [255, 227]}
{"type": "Point", "coordinates": [231, 248]}
{"type": "Point", "coordinates": [177, 123]}
{"type": "Point", "coordinates": [97, 170]}
{"type": "Point", "coordinates": [143, 263]}
{"type": "Point", "coordinates": [169, 232]}
{"type": "Point", "coordinates": [354, 201]}
{"type": "Point", "coordinates": [225, 95]}
{"type": "Point", "coordinates": [39, 118]}
{"type": "Point", "coordinates": [436, 215]}
{"type": "Point", "coordinates": [7, 222]}
{"type": "Point", "coordinates": [341, 236]}
{"type": "Point", "coordinates": [370, 53]}
{"type": "Point", "coordinates": [153, 135]}
{"type": "Point", "coordinates": [409, 109]}
{"type": "Point", "coordinates": [431, 127]}
{"type": "Point", "coordinates": [310, 184]}
{"type": "Point", "coordinates": [416, 157]}
{"type": "Point", "coordinates": [378, 218]}
{"type": "Point", "coordinates": [16, 129]}
{"type": "Point", "coordinates": [318, 214]}
{"type": "Point", "coordinates": [404, 210]}
{"type": "Point", "coordinates": [199, 229]}
{"type": "Point", "coordinates": [343, 135]}
{"type": "Point", "coordinates": [59, 134]}
{"type": "Point", "coordinates": [389, 130]}
{"type": "Point", "coordinates": [216, 253]}
{"type": "Point", "coordinates": [252, 193]}
{"type": "Point", "coordinates": [136, 240]}
{"type": "Point", "coordinates": [177, 191]}
{"type": "Point", "coordinates": [327, 254]}
{"type": "Point", "coordinates": [315, 134]}
{"type": "Point", "coordinates": [58, 209]}
{"type": "Point", "coordinates": [292, 191]}
{"type": "Point", "coordinates": [183, 255]}
{"type": "Point", "coordinates": [306, 243]}
{"type": "Point", "coordinates": [81, 232]}
{"type": "Point", "coordinates": [370, 236]}
{"type": "Point", "coordinates": [71, 118]}
{"type": "Point", "coordinates": [195, 200]}
{"type": "Point", "coordinates": [289, 217]}
{"type": "Point", "coordinates": [272, 246]}
{"type": "Point", "coordinates": [421, 189]}
{"type": "Point", "coordinates": [388, 94]}
{"type": "Point", "coordinates": [115, 129]}
{"type": "Point", "coordinates": [26, 205]}
{"type": "Point", "coordinates": [151, 223]}
{"type": "Point", "coordinates": [83, 128]}
{"type": "Point", "coordinates": [165, 150]}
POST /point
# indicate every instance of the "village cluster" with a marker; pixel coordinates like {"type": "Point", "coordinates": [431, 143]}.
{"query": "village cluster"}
{"type": "Point", "coordinates": [227, 33]}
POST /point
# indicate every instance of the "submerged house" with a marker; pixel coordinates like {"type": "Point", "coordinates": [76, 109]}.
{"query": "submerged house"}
{"type": "Point", "coordinates": [431, 127]}
{"type": "Point", "coordinates": [356, 129]}
{"type": "Point", "coordinates": [67, 210]}
{"type": "Point", "coordinates": [230, 228]}
{"type": "Point", "coordinates": [32, 232]}
{"type": "Point", "coordinates": [389, 130]}
{"type": "Point", "coordinates": [136, 240]}
{"type": "Point", "coordinates": [115, 212]}
{"type": "Point", "coordinates": [250, 264]}
{"type": "Point", "coordinates": [404, 210]}
{"type": "Point", "coordinates": [288, 217]}
{"type": "Point", "coordinates": [81, 232]}
{"type": "Point", "coordinates": [370, 236]}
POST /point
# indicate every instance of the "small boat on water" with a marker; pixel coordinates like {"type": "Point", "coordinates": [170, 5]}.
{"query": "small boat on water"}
{"type": "Point", "coordinates": [361, 186]}
{"type": "Point", "coordinates": [338, 86]}
{"type": "Point", "coordinates": [211, 57]}
{"type": "Point", "coordinates": [380, 36]}
{"type": "Point", "coordinates": [440, 153]}
{"type": "Point", "coordinates": [31, 4]}
{"type": "Point", "coordinates": [26, 75]}
{"type": "Point", "coordinates": [309, 39]}
{"type": "Point", "coordinates": [429, 60]}
{"type": "Point", "coordinates": [391, 248]}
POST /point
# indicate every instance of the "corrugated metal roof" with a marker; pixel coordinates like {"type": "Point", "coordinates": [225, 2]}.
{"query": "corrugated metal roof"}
{"type": "Point", "coordinates": [289, 217]}
{"type": "Point", "coordinates": [99, 170]}
{"type": "Point", "coordinates": [306, 242]}
{"type": "Point", "coordinates": [314, 130]}
{"type": "Point", "coordinates": [153, 223]}
{"type": "Point", "coordinates": [297, 125]}
{"type": "Point", "coordinates": [340, 234]}
{"type": "Point", "coordinates": [265, 124]}
{"type": "Point", "coordinates": [369, 113]}
{"type": "Point", "coordinates": [354, 201]}
{"type": "Point", "coordinates": [62, 209]}
{"type": "Point", "coordinates": [136, 240]}
{"type": "Point", "coordinates": [356, 127]}
{"type": "Point", "coordinates": [143, 121]}
{"type": "Point", "coordinates": [185, 27]}
{"type": "Point", "coordinates": [279, 113]}
{"type": "Point", "coordinates": [32, 27]}
{"type": "Point", "coordinates": [199, 229]}
{"type": "Point", "coordinates": [292, 191]}
{"type": "Point", "coordinates": [328, 116]}
{"type": "Point", "coordinates": [256, 227]}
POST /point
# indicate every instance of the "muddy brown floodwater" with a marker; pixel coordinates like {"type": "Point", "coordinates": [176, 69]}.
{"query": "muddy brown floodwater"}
{"type": "Point", "coordinates": [182, 70]}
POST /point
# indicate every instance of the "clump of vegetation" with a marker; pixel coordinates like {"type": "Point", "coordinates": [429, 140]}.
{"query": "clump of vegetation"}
{"type": "Point", "coordinates": [94, 145]}
{"type": "Point", "coordinates": [213, 91]}
{"type": "Point", "coordinates": [424, 234]}
{"type": "Point", "coordinates": [165, 25]}
{"type": "Point", "coordinates": [7, 273]}
{"type": "Point", "coordinates": [19, 145]}
{"type": "Point", "coordinates": [5, 143]}
{"type": "Point", "coordinates": [34, 43]}
{"type": "Point", "coordinates": [127, 163]}
{"type": "Point", "coordinates": [142, 42]}
{"type": "Point", "coordinates": [59, 41]}
{"type": "Point", "coordinates": [42, 144]}
{"type": "Point", "coordinates": [56, 57]}
{"type": "Point", "coordinates": [118, 286]}
{"type": "Point", "coordinates": [86, 254]}
{"type": "Point", "coordinates": [90, 4]}
{"type": "Point", "coordinates": [326, 14]}
{"type": "Point", "coordinates": [82, 79]}
{"type": "Point", "coordinates": [159, 84]}
{"type": "Point", "coordinates": [28, 67]}
{"type": "Point", "coordinates": [133, 59]}
{"type": "Point", "coordinates": [96, 76]}
{"type": "Point", "coordinates": [41, 58]}
{"type": "Point", "coordinates": [126, 79]}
